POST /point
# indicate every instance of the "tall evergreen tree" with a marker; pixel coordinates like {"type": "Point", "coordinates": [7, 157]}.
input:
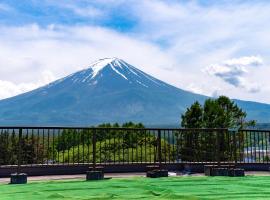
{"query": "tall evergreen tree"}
{"type": "Point", "coordinates": [193, 117]}
{"type": "Point", "coordinates": [215, 113]}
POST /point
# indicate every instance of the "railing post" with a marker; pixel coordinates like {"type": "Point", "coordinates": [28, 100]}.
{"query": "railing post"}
{"type": "Point", "coordinates": [94, 149]}
{"type": "Point", "coordinates": [19, 152]}
{"type": "Point", "coordinates": [218, 148]}
{"type": "Point", "coordinates": [235, 148]}
{"type": "Point", "coordinates": [95, 174]}
{"type": "Point", "coordinates": [159, 148]}
{"type": "Point", "coordinates": [19, 178]}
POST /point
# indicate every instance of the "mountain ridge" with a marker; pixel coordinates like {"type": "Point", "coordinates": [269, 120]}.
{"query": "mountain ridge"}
{"type": "Point", "coordinates": [109, 90]}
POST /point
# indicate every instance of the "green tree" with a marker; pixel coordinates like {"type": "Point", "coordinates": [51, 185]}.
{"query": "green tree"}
{"type": "Point", "coordinates": [193, 117]}
{"type": "Point", "coordinates": [215, 113]}
{"type": "Point", "coordinates": [224, 113]}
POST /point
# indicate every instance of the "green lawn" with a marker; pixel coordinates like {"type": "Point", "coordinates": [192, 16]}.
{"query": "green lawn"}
{"type": "Point", "coordinates": [249, 187]}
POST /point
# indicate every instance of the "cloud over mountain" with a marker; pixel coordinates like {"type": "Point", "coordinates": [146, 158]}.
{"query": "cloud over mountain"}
{"type": "Point", "coordinates": [233, 71]}
{"type": "Point", "coordinates": [9, 88]}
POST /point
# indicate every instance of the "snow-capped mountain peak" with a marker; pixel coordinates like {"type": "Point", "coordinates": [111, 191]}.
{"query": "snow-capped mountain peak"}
{"type": "Point", "coordinates": [98, 65]}
{"type": "Point", "coordinates": [108, 68]}
{"type": "Point", "coordinates": [111, 70]}
{"type": "Point", "coordinates": [117, 65]}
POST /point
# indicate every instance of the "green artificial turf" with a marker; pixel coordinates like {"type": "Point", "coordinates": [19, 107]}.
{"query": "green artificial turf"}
{"type": "Point", "coordinates": [249, 187]}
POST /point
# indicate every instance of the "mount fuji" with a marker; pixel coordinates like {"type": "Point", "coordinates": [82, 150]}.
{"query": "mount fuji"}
{"type": "Point", "coordinates": [110, 90]}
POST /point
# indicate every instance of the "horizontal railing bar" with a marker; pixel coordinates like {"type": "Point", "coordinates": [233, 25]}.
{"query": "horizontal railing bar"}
{"type": "Point", "coordinates": [112, 128]}
{"type": "Point", "coordinates": [255, 130]}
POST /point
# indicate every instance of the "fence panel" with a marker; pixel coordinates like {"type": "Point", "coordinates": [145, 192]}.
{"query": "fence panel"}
{"type": "Point", "coordinates": [9, 146]}
{"type": "Point", "coordinates": [112, 146]}
{"type": "Point", "coordinates": [255, 146]}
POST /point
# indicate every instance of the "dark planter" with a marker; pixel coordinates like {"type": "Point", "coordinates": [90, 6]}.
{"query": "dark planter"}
{"type": "Point", "coordinates": [231, 172]}
{"type": "Point", "coordinates": [157, 173]}
{"type": "Point", "coordinates": [236, 172]}
{"type": "Point", "coordinates": [187, 169]}
{"type": "Point", "coordinates": [208, 170]}
{"type": "Point", "coordinates": [94, 175]}
{"type": "Point", "coordinates": [18, 178]}
{"type": "Point", "coordinates": [220, 172]}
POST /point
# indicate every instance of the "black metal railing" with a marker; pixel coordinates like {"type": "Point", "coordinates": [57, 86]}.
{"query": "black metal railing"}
{"type": "Point", "coordinates": [111, 146]}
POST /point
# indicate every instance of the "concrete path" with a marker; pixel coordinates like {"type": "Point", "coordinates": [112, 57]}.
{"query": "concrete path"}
{"type": "Point", "coordinates": [77, 176]}
{"type": "Point", "coordinates": [113, 175]}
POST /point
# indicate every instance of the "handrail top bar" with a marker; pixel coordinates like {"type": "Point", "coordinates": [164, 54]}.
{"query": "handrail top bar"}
{"type": "Point", "coordinates": [109, 128]}
{"type": "Point", "coordinates": [255, 130]}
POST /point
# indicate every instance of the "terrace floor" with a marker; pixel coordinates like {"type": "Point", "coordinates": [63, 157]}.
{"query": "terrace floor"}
{"type": "Point", "coordinates": [138, 187]}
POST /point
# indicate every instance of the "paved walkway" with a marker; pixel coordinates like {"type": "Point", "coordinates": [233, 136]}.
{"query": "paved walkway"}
{"type": "Point", "coordinates": [77, 176]}
{"type": "Point", "coordinates": [114, 175]}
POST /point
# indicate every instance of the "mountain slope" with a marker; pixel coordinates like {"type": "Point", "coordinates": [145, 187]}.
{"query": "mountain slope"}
{"type": "Point", "coordinates": [110, 90]}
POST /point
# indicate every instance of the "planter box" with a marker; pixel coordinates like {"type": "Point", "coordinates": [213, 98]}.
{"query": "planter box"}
{"type": "Point", "coordinates": [94, 175]}
{"type": "Point", "coordinates": [157, 173]}
{"type": "Point", "coordinates": [220, 172]}
{"type": "Point", "coordinates": [18, 178]}
{"type": "Point", "coordinates": [236, 172]}
{"type": "Point", "coordinates": [208, 170]}
{"type": "Point", "coordinates": [215, 170]}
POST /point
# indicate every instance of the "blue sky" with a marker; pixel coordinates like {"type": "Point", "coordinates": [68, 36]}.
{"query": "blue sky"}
{"type": "Point", "coordinates": [208, 47]}
{"type": "Point", "coordinates": [68, 13]}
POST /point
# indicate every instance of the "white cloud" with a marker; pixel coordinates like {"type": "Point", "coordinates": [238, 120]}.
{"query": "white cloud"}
{"type": "Point", "coordinates": [9, 89]}
{"type": "Point", "coordinates": [233, 71]}
{"type": "Point", "coordinates": [85, 11]}
{"type": "Point", "coordinates": [195, 88]}
{"type": "Point", "coordinates": [245, 61]}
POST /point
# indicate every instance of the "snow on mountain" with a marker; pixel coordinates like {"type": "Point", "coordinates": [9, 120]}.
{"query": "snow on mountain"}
{"type": "Point", "coordinates": [96, 71]}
